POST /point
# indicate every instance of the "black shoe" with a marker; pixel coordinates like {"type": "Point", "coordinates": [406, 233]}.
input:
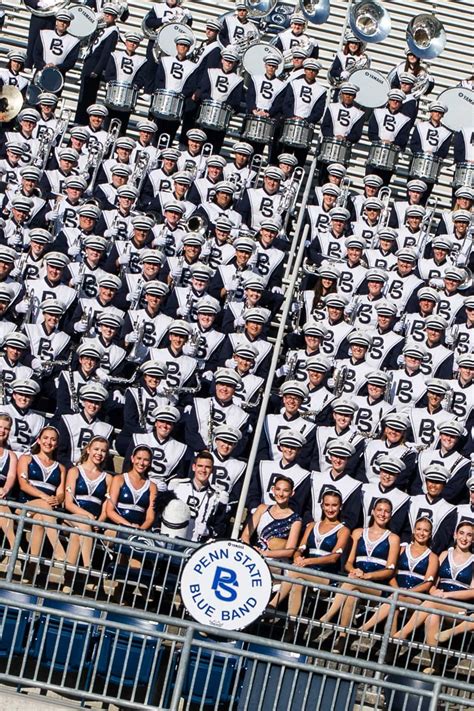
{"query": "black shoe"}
{"type": "Point", "coordinates": [391, 653]}
{"type": "Point", "coordinates": [290, 633]}
{"type": "Point", "coordinates": [339, 647]}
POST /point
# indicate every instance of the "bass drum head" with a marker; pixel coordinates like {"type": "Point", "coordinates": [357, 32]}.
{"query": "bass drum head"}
{"type": "Point", "coordinates": [167, 35]}
{"type": "Point", "coordinates": [83, 23]}
{"type": "Point", "coordinates": [373, 88]}
{"type": "Point", "coordinates": [460, 103]}
{"type": "Point", "coordinates": [50, 79]}
{"type": "Point", "coordinates": [254, 58]}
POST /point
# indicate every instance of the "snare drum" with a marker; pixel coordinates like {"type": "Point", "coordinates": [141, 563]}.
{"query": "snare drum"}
{"type": "Point", "coordinates": [464, 175]}
{"type": "Point", "coordinates": [383, 155]}
{"type": "Point", "coordinates": [258, 128]}
{"type": "Point", "coordinates": [121, 95]}
{"type": "Point", "coordinates": [214, 115]}
{"type": "Point", "coordinates": [425, 166]}
{"type": "Point", "coordinates": [297, 133]}
{"type": "Point", "coordinates": [50, 79]}
{"type": "Point", "coordinates": [333, 150]}
{"type": "Point", "coordinates": [168, 105]}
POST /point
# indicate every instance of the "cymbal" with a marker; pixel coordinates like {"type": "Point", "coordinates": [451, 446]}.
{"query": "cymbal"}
{"type": "Point", "coordinates": [11, 101]}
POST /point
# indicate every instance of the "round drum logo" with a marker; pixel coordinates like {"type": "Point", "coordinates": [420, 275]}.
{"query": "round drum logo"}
{"type": "Point", "coordinates": [226, 584]}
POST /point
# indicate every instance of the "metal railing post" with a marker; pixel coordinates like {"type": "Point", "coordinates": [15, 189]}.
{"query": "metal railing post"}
{"type": "Point", "coordinates": [268, 387]}
{"type": "Point", "coordinates": [388, 626]}
{"type": "Point", "coordinates": [16, 546]}
{"type": "Point", "coordinates": [183, 663]}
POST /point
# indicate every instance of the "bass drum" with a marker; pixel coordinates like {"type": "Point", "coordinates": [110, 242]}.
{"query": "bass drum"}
{"type": "Point", "coordinates": [168, 105]}
{"type": "Point", "coordinates": [383, 156]}
{"type": "Point", "coordinates": [84, 22]}
{"type": "Point", "coordinates": [254, 58]}
{"type": "Point", "coordinates": [258, 128]}
{"type": "Point", "coordinates": [121, 95]}
{"type": "Point", "coordinates": [464, 175]}
{"type": "Point", "coordinates": [425, 166]}
{"type": "Point", "coordinates": [334, 150]}
{"type": "Point", "coordinates": [165, 38]}
{"type": "Point", "coordinates": [373, 88]}
{"type": "Point", "coordinates": [460, 104]}
{"type": "Point", "coordinates": [297, 133]}
{"type": "Point", "coordinates": [214, 115]}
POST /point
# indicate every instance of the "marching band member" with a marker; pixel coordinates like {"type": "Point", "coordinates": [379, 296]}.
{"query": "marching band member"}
{"type": "Point", "coordinates": [99, 50]}
{"type": "Point", "coordinates": [433, 505]}
{"type": "Point", "coordinates": [240, 170]}
{"type": "Point", "coordinates": [386, 345]}
{"type": "Point", "coordinates": [48, 123]}
{"type": "Point", "coordinates": [356, 368]}
{"type": "Point", "coordinates": [27, 120]}
{"type": "Point", "coordinates": [390, 126]}
{"type": "Point", "coordinates": [126, 65]}
{"type": "Point", "coordinates": [372, 184]}
{"type": "Point", "coordinates": [98, 135]}
{"type": "Point", "coordinates": [15, 358]}
{"type": "Point", "coordinates": [424, 420]}
{"type": "Point", "coordinates": [10, 164]}
{"type": "Point", "coordinates": [464, 199]}
{"type": "Point", "coordinates": [237, 28]}
{"type": "Point", "coordinates": [11, 75]}
{"type": "Point", "coordinates": [387, 487]}
{"type": "Point", "coordinates": [412, 65]}
{"type": "Point", "coordinates": [431, 136]}
{"type": "Point", "coordinates": [391, 441]}
{"type": "Point", "coordinates": [416, 190]}
{"type": "Point", "coordinates": [342, 120]}
{"type": "Point", "coordinates": [410, 102]}
{"type": "Point", "coordinates": [147, 319]}
{"type": "Point", "coordinates": [351, 55]}
{"type": "Point", "coordinates": [257, 204]}
{"type": "Point", "coordinates": [144, 145]}
{"type": "Point", "coordinates": [264, 93]}
{"type": "Point", "coordinates": [26, 423]}
{"type": "Point", "coordinates": [161, 14]}
{"type": "Point", "coordinates": [375, 404]}
{"type": "Point", "coordinates": [295, 36]}
{"type": "Point", "coordinates": [56, 47]}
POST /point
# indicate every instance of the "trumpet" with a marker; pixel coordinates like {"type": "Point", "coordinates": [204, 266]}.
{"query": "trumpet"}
{"type": "Point", "coordinates": [112, 136]}
{"type": "Point", "coordinates": [289, 194]}
{"type": "Point", "coordinates": [291, 361]}
{"type": "Point", "coordinates": [425, 229]}
{"type": "Point", "coordinates": [345, 190]}
{"type": "Point", "coordinates": [138, 295]}
{"type": "Point", "coordinates": [31, 311]}
{"type": "Point", "coordinates": [385, 194]}
{"type": "Point", "coordinates": [140, 170]}
{"type": "Point", "coordinates": [387, 396]}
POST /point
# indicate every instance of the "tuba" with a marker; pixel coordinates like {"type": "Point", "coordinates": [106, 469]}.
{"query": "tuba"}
{"type": "Point", "coordinates": [425, 36]}
{"type": "Point", "coordinates": [369, 21]}
{"type": "Point", "coordinates": [260, 8]}
{"type": "Point", "coordinates": [315, 12]}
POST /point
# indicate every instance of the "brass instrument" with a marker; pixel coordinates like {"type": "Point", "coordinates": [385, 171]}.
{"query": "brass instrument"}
{"type": "Point", "coordinates": [425, 35]}
{"type": "Point", "coordinates": [140, 170]}
{"type": "Point", "coordinates": [74, 392]}
{"type": "Point", "coordinates": [49, 11]}
{"type": "Point", "coordinates": [260, 8]}
{"type": "Point", "coordinates": [197, 51]}
{"type": "Point", "coordinates": [317, 12]}
{"type": "Point", "coordinates": [452, 337]}
{"type": "Point", "coordinates": [141, 411]}
{"type": "Point", "coordinates": [385, 193]}
{"type": "Point", "coordinates": [11, 101]}
{"type": "Point", "coordinates": [95, 158]}
{"type": "Point", "coordinates": [139, 329]}
{"type": "Point", "coordinates": [362, 62]}
{"type": "Point", "coordinates": [139, 291]}
{"type": "Point", "coordinates": [123, 267]}
{"type": "Point", "coordinates": [80, 274]}
{"type": "Point", "coordinates": [112, 136]}
{"type": "Point", "coordinates": [448, 400]}
{"type": "Point", "coordinates": [45, 143]}
{"type": "Point", "coordinates": [387, 396]}
{"type": "Point", "coordinates": [31, 312]}
{"type": "Point", "coordinates": [308, 414]}
{"type": "Point", "coordinates": [340, 376]}
{"type": "Point", "coordinates": [355, 311]}
{"type": "Point", "coordinates": [296, 313]}
{"type": "Point", "coordinates": [210, 424]}
{"type": "Point", "coordinates": [87, 318]}
{"type": "Point", "coordinates": [291, 361]}
{"type": "Point", "coordinates": [425, 228]}
{"type": "Point", "coordinates": [178, 390]}
{"type": "Point", "coordinates": [369, 21]}
{"type": "Point", "coordinates": [345, 191]}
{"type": "Point", "coordinates": [289, 195]}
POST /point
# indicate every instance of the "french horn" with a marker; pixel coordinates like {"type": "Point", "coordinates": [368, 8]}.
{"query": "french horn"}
{"type": "Point", "coordinates": [369, 21]}
{"type": "Point", "coordinates": [426, 37]}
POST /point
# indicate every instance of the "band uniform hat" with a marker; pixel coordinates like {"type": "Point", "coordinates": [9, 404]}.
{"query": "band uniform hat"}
{"type": "Point", "coordinates": [465, 191]}
{"type": "Point", "coordinates": [438, 106]}
{"type": "Point", "coordinates": [412, 349]}
{"type": "Point", "coordinates": [57, 259]}
{"type": "Point", "coordinates": [120, 169]}
{"type": "Point", "coordinates": [299, 52]}
{"type": "Point", "coordinates": [230, 55]}
{"type": "Point", "coordinates": [216, 161]}
{"type": "Point", "coordinates": [156, 288]}
{"type": "Point", "coordinates": [128, 191]}
{"type": "Point", "coordinates": [443, 242]}
{"type": "Point", "coordinates": [343, 406]}
{"type": "Point", "coordinates": [436, 322]}
{"type": "Point", "coordinates": [291, 438]}
{"type": "Point", "coordinates": [373, 181]}
{"type": "Point", "coordinates": [407, 254]}
{"type": "Point", "coordinates": [98, 110]}
{"type": "Point", "coordinates": [427, 293]}
{"type": "Point", "coordinates": [318, 364]}
{"type": "Point", "coordinates": [257, 315]}
{"type": "Point", "coordinates": [438, 386]}
{"type": "Point", "coordinates": [247, 351]}
{"type": "Point", "coordinates": [358, 338]}
{"type": "Point", "coordinates": [173, 206]}
{"type": "Point", "coordinates": [154, 368]}
{"type": "Point", "coordinates": [29, 115]}
{"type": "Point", "coordinates": [16, 339]}
{"type": "Point", "coordinates": [53, 307]}
{"type": "Point", "coordinates": [348, 87]}
{"type": "Point", "coordinates": [462, 216]}
{"type": "Point", "coordinates": [25, 386]}
{"type": "Point", "coordinates": [388, 233]}
{"type": "Point", "coordinates": [417, 186]}
{"type": "Point", "coordinates": [337, 169]}
{"type": "Point", "coordinates": [196, 134]}
{"type": "Point", "coordinates": [47, 99]}
{"type": "Point", "coordinates": [244, 244]}
{"type": "Point", "coordinates": [378, 378]}
{"type": "Point", "coordinates": [134, 37]}
{"type": "Point", "coordinates": [69, 154]}
{"type": "Point", "coordinates": [166, 413]}
{"type": "Point", "coordinates": [470, 483]}
{"type": "Point", "coordinates": [213, 24]}
{"type": "Point", "coordinates": [274, 173]}
{"type": "Point", "coordinates": [208, 305]}
{"type": "Point", "coordinates": [147, 126]}
{"type": "Point", "coordinates": [373, 203]}
{"type": "Point", "coordinates": [109, 281]}
{"type": "Point", "coordinates": [406, 78]}
{"type": "Point", "coordinates": [183, 39]}
{"type": "Point", "coordinates": [294, 387]}
{"type": "Point", "coordinates": [297, 19]}
{"type": "Point", "coordinates": [340, 448]}
{"type": "Point", "coordinates": [95, 242]}
{"type": "Point", "coordinates": [465, 360]}
{"type": "Point", "coordinates": [287, 159]}
{"type": "Point", "coordinates": [454, 428]}
{"type": "Point", "coordinates": [436, 472]}
{"type": "Point", "coordinates": [396, 95]}
{"type": "Point", "coordinates": [315, 329]}
{"type": "Point", "coordinates": [254, 282]}
{"type": "Point", "coordinates": [76, 182]}
{"type": "Point", "coordinates": [415, 211]}
{"type": "Point", "coordinates": [126, 143]}
{"type": "Point", "coordinates": [79, 132]}
{"type": "Point", "coordinates": [454, 274]}
{"type": "Point", "coordinates": [355, 242]}
{"type": "Point", "coordinates": [15, 148]}
{"type": "Point", "coordinates": [89, 210]}
{"type": "Point", "coordinates": [64, 16]}
{"type": "Point", "coordinates": [272, 60]}
{"type": "Point", "coordinates": [313, 64]}
{"type": "Point", "coordinates": [17, 55]}
{"type": "Point", "coordinates": [170, 154]}
{"type": "Point", "coordinates": [151, 256]}
{"type": "Point", "coordinates": [200, 271]}
{"type": "Point", "coordinates": [331, 189]}
{"type": "Point", "coordinates": [385, 308]}
{"type": "Point", "coordinates": [109, 317]}
{"type": "Point", "coordinates": [179, 327]}
{"type": "Point", "coordinates": [175, 519]}
{"type": "Point", "coordinates": [90, 348]}
{"type": "Point", "coordinates": [389, 464]}
{"type": "Point", "coordinates": [244, 148]}
{"type": "Point", "coordinates": [227, 376]}
{"type": "Point", "coordinates": [377, 275]}
{"type": "Point", "coordinates": [22, 204]}
{"type": "Point", "coordinates": [397, 421]}
{"type": "Point", "coordinates": [225, 186]}
{"type": "Point", "coordinates": [7, 255]}
{"type": "Point", "coordinates": [272, 224]}
{"type": "Point", "coordinates": [328, 270]}
{"type": "Point", "coordinates": [227, 433]}
{"type": "Point", "coordinates": [30, 172]}
{"type": "Point", "coordinates": [95, 392]}
{"type": "Point", "coordinates": [339, 213]}
{"type": "Point", "coordinates": [142, 222]}
{"type": "Point", "coordinates": [336, 301]}
{"type": "Point", "coordinates": [110, 9]}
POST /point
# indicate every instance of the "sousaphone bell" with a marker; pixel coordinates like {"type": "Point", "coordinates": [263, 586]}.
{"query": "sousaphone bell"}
{"type": "Point", "coordinates": [260, 8]}
{"type": "Point", "coordinates": [11, 101]}
{"type": "Point", "coordinates": [315, 12]}
{"type": "Point", "coordinates": [426, 37]}
{"type": "Point", "coordinates": [369, 21]}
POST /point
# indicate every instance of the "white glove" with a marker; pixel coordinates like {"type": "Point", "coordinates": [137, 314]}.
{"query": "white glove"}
{"type": "Point", "coordinates": [22, 307]}
{"type": "Point", "coordinates": [131, 337]}
{"type": "Point", "coordinates": [133, 295]}
{"type": "Point", "coordinates": [230, 363]}
{"type": "Point", "coordinates": [239, 322]}
{"type": "Point", "coordinates": [295, 307]}
{"type": "Point", "coordinates": [176, 274]}
{"type": "Point", "coordinates": [74, 250]}
{"type": "Point", "coordinates": [200, 530]}
{"type": "Point", "coordinates": [345, 75]}
{"type": "Point", "coordinates": [234, 285]}
{"type": "Point", "coordinates": [51, 215]}
{"type": "Point", "coordinates": [283, 370]}
{"type": "Point", "coordinates": [188, 349]}
{"type": "Point", "coordinates": [277, 290]}
{"type": "Point", "coordinates": [159, 241]}
{"type": "Point", "coordinates": [110, 233]}
{"type": "Point", "coordinates": [15, 240]}
{"type": "Point", "coordinates": [15, 272]}
{"type": "Point", "coordinates": [80, 326]}
{"type": "Point", "coordinates": [223, 497]}
{"type": "Point", "coordinates": [182, 311]}
{"type": "Point", "coordinates": [436, 283]}
{"type": "Point", "coordinates": [103, 376]}
{"type": "Point", "coordinates": [208, 375]}
{"type": "Point", "coordinates": [124, 259]}
{"type": "Point", "coordinates": [76, 281]}
{"type": "Point", "coordinates": [36, 364]}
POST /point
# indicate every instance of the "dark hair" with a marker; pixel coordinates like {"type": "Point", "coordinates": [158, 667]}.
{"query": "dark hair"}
{"type": "Point", "coordinates": [359, 51]}
{"type": "Point", "coordinates": [287, 479]}
{"type": "Point", "coordinates": [330, 492]}
{"type": "Point", "coordinates": [382, 500]}
{"type": "Point", "coordinates": [318, 291]}
{"type": "Point", "coordinates": [204, 454]}
{"type": "Point", "coordinates": [35, 448]}
{"type": "Point", "coordinates": [416, 68]}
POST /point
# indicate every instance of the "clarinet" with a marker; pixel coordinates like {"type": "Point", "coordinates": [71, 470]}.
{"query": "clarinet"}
{"type": "Point", "coordinates": [210, 424]}
{"type": "Point", "coordinates": [141, 412]}
{"type": "Point", "coordinates": [74, 392]}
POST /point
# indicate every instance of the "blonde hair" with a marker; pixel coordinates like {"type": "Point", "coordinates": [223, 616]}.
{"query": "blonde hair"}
{"type": "Point", "coordinates": [85, 452]}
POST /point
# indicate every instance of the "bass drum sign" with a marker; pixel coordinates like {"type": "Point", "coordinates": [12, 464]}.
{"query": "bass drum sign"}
{"type": "Point", "coordinates": [373, 88]}
{"type": "Point", "coordinates": [83, 23]}
{"type": "Point", "coordinates": [254, 58]}
{"type": "Point", "coordinates": [165, 39]}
